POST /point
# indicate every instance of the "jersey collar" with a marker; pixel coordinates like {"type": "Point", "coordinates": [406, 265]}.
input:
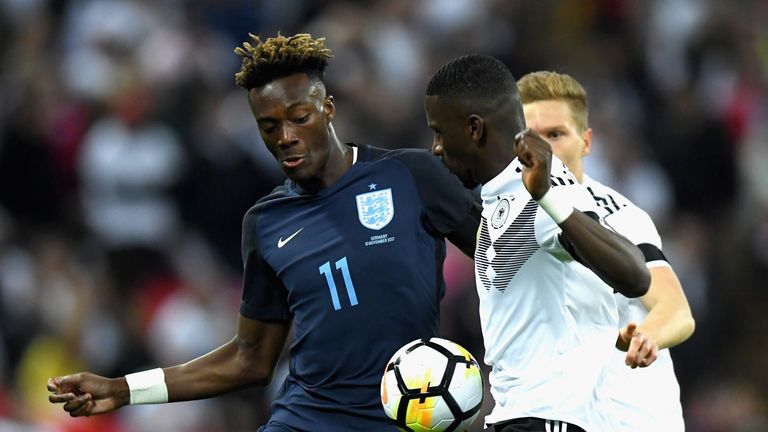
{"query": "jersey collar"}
{"type": "Point", "coordinates": [499, 184]}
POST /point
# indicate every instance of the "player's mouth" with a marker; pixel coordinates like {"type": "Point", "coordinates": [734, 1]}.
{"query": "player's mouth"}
{"type": "Point", "coordinates": [291, 162]}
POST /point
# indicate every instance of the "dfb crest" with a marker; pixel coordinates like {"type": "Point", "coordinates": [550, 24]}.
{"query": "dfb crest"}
{"type": "Point", "coordinates": [375, 209]}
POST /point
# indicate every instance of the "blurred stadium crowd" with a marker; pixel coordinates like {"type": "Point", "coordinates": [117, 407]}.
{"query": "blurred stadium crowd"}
{"type": "Point", "coordinates": [128, 158]}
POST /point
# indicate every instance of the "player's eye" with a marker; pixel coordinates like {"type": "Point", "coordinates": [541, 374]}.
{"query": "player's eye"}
{"type": "Point", "coordinates": [302, 119]}
{"type": "Point", "coordinates": [554, 134]}
{"type": "Point", "coordinates": [267, 126]}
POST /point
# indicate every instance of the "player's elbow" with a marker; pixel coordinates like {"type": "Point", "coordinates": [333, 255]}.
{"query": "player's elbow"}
{"type": "Point", "coordinates": [687, 327]}
{"type": "Point", "coordinates": [262, 376]}
{"type": "Point", "coordinates": [255, 374]}
{"type": "Point", "coordinates": [253, 369]}
{"type": "Point", "coordinates": [637, 284]}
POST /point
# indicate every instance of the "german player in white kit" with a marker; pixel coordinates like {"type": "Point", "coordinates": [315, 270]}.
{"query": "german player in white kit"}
{"type": "Point", "coordinates": [539, 323]}
{"type": "Point", "coordinates": [645, 398]}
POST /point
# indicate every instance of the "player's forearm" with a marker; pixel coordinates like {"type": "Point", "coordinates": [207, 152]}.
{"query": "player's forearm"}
{"type": "Point", "coordinates": [668, 326]}
{"type": "Point", "coordinates": [226, 369]}
{"type": "Point", "coordinates": [669, 321]}
{"type": "Point", "coordinates": [612, 257]}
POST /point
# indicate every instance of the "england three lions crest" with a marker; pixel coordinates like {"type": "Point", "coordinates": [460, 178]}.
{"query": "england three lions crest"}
{"type": "Point", "coordinates": [375, 209]}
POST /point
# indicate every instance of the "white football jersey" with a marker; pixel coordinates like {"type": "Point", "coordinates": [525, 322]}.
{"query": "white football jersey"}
{"type": "Point", "coordinates": [642, 399]}
{"type": "Point", "coordinates": [547, 334]}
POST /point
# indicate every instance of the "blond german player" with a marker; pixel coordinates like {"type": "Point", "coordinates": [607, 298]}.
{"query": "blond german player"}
{"type": "Point", "coordinates": [640, 382]}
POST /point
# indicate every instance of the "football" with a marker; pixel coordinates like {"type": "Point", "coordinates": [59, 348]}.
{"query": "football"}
{"type": "Point", "coordinates": [432, 385]}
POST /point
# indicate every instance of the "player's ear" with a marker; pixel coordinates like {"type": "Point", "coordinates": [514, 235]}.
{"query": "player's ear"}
{"type": "Point", "coordinates": [329, 109]}
{"type": "Point", "coordinates": [476, 128]}
{"type": "Point", "coordinates": [586, 136]}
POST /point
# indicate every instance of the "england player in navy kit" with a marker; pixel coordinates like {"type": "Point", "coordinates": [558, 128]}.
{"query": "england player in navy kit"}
{"type": "Point", "coordinates": [359, 266]}
{"type": "Point", "coordinates": [349, 251]}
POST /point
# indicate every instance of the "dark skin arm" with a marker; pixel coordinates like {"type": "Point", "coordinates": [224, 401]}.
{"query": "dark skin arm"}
{"type": "Point", "coordinates": [612, 257]}
{"type": "Point", "coordinates": [248, 359]}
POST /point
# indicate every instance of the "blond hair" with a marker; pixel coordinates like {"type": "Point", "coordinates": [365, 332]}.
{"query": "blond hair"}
{"type": "Point", "coordinates": [545, 85]}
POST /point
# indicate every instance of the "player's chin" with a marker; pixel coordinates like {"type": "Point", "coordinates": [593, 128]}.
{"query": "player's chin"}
{"type": "Point", "coordinates": [468, 180]}
{"type": "Point", "coordinates": [301, 174]}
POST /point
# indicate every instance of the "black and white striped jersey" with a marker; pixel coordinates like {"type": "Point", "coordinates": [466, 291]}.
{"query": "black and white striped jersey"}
{"type": "Point", "coordinates": [547, 334]}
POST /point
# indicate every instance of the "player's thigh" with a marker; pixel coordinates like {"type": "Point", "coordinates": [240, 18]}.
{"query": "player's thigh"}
{"type": "Point", "coordinates": [533, 424]}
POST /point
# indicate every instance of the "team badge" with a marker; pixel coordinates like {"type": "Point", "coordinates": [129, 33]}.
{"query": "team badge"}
{"type": "Point", "coordinates": [500, 214]}
{"type": "Point", "coordinates": [375, 209]}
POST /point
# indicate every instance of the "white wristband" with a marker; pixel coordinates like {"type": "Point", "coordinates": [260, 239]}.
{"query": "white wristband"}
{"type": "Point", "coordinates": [147, 387]}
{"type": "Point", "coordinates": [555, 208]}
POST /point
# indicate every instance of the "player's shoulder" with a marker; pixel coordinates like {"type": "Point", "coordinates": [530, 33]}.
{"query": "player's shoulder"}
{"type": "Point", "coordinates": [250, 226]}
{"type": "Point", "coordinates": [278, 194]}
{"type": "Point", "coordinates": [420, 163]}
{"type": "Point", "coordinates": [601, 189]}
{"type": "Point", "coordinates": [608, 198]}
{"type": "Point", "coordinates": [560, 175]}
{"type": "Point", "coordinates": [622, 214]}
{"type": "Point", "coordinates": [408, 156]}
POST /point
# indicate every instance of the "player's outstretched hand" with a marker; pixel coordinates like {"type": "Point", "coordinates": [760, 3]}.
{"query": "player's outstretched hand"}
{"type": "Point", "coordinates": [86, 394]}
{"type": "Point", "coordinates": [535, 154]}
{"type": "Point", "coordinates": [641, 349]}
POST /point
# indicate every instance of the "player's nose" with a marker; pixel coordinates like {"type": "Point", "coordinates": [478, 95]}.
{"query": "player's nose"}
{"type": "Point", "coordinates": [287, 137]}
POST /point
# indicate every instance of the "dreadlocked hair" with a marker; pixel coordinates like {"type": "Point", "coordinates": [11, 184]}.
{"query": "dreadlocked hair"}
{"type": "Point", "coordinates": [280, 56]}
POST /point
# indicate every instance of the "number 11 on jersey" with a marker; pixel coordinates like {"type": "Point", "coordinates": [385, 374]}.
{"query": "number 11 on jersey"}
{"type": "Point", "coordinates": [342, 265]}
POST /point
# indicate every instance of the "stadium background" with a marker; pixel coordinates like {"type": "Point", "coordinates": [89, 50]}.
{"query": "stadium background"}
{"type": "Point", "coordinates": [128, 157]}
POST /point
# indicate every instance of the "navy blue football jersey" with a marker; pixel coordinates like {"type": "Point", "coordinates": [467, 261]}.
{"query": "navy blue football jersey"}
{"type": "Point", "coordinates": [357, 267]}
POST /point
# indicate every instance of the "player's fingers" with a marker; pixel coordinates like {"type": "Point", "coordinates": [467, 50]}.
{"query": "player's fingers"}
{"type": "Point", "coordinates": [52, 384]}
{"type": "Point", "coordinates": [84, 409]}
{"type": "Point", "coordinates": [76, 403]}
{"type": "Point", "coordinates": [645, 352]}
{"type": "Point", "coordinates": [633, 353]}
{"type": "Point", "coordinates": [72, 405]}
{"type": "Point", "coordinates": [69, 382]}
{"type": "Point", "coordinates": [521, 149]}
{"type": "Point", "coordinates": [631, 328]}
{"type": "Point", "coordinates": [642, 354]}
{"type": "Point", "coordinates": [651, 357]}
{"type": "Point", "coordinates": [60, 398]}
{"type": "Point", "coordinates": [629, 359]}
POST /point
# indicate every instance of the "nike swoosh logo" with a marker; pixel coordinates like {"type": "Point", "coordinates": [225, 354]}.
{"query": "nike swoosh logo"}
{"type": "Point", "coordinates": [281, 242]}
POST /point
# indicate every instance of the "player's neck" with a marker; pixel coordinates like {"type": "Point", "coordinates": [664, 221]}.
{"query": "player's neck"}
{"type": "Point", "coordinates": [496, 159]}
{"type": "Point", "coordinates": [340, 159]}
{"type": "Point", "coordinates": [578, 171]}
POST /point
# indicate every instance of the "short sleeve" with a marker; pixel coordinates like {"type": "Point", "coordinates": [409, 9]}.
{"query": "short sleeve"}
{"type": "Point", "coordinates": [638, 227]}
{"type": "Point", "coordinates": [634, 224]}
{"type": "Point", "coordinates": [446, 202]}
{"type": "Point", "coordinates": [264, 295]}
